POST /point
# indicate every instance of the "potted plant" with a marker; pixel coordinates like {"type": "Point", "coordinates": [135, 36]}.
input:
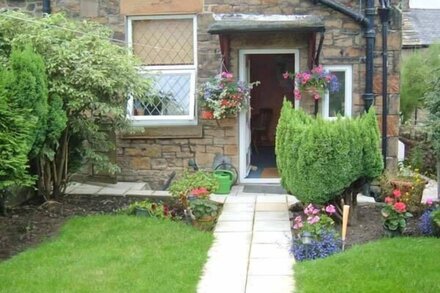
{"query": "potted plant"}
{"type": "Point", "coordinates": [203, 212]}
{"type": "Point", "coordinates": [223, 97]}
{"type": "Point", "coordinates": [203, 182]}
{"type": "Point", "coordinates": [411, 185]}
{"type": "Point", "coordinates": [394, 214]}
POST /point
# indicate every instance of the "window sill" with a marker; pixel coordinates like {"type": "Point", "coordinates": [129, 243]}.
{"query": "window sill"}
{"type": "Point", "coordinates": [165, 131]}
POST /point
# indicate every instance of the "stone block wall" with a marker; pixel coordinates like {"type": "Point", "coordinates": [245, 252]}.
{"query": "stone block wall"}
{"type": "Point", "coordinates": [153, 157]}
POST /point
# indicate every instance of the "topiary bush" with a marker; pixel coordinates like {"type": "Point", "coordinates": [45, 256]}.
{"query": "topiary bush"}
{"type": "Point", "coordinates": [323, 161]}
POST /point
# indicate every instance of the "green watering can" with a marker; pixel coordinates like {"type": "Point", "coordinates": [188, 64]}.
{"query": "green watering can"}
{"type": "Point", "coordinates": [225, 179]}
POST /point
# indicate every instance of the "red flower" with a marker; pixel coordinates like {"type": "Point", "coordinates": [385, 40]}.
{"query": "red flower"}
{"type": "Point", "coordinates": [400, 207]}
{"type": "Point", "coordinates": [388, 199]}
{"type": "Point", "coordinates": [396, 193]}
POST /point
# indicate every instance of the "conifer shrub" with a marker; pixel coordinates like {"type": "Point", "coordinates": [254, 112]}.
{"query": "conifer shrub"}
{"type": "Point", "coordinates": [323, 161]}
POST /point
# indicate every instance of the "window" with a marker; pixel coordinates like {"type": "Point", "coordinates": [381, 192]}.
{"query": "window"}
{"type": "Point", "coordinates": [167, 47]}
{"type": "Point", "coordinates": [339, 102]}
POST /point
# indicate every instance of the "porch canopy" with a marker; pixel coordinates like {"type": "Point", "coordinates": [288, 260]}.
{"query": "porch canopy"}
{"type": "Point", "coordinates": [239, 23]}
{"type": "Point", "coordinates": [227, 24]}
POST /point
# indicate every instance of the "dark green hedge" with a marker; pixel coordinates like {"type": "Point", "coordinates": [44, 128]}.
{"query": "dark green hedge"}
{"type": "Point", "coordinates": [318, 159]}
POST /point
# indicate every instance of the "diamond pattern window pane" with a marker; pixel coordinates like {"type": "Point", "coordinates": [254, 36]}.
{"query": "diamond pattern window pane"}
{"type": "Point", "coordinates": [171, 97]}
{"type": "Point", "coordinates": [164, 41]}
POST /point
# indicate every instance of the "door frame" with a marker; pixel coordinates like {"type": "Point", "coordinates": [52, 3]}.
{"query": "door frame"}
{"type": "Point", "coordinates": [242, 117]}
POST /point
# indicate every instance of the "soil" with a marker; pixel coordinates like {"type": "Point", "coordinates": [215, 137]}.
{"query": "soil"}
{"type": "Point", "coordinates": [32, 223]}
{"type": "Point", "coordinates": [367, 225]}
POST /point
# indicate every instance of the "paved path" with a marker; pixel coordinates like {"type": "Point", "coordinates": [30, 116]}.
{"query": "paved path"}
{"type": "Point", "coordinates": [250, 253]}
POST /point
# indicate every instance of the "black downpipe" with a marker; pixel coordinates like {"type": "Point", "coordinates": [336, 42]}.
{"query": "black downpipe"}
{"type": "Point", "coordinates": [367, 21]}
{"type": "Point", "coordinates": [384, 13]}
{"type": "Point", "coordinates": [46, 7]}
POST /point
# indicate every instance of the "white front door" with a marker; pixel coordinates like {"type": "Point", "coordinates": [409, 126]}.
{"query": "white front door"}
{"type": "Point", "coordinates": [245, 135]}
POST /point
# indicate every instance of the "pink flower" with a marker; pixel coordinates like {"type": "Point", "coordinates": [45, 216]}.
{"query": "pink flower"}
{"type": "Point", "coordinates": [396, 193]}
{"type": "Point", "coordinates": [400, 207]}
{"type": "Point", "coordinates": [227, 75]}
{"type": "Point", "coordinates": [313, 220]}
{"type": "Point", "coordinates": [297, 94]}
{"type": "Point", "coordinates": [286, 75]}
{"type": "Point", "coordinates": [316, 96]}
{"type": "Point", "coordinates": [318, 69]}
{"type": "Point", "coordinates": [305, 78]}
{"type": "Point", "coordinates": [429, 201]}
{"type": "Point", "coordinates": [298, 219]}
{"type": "Point", "coordinates": [298, 226]}
{"type": "Point", "coordinates": [315, 211]}
{"type": "Point", "coordinates": [330, 209]}
{"type": "Point", "coordinates": [309, 210]}
{"type": "Point", "coordinates": [388, 199]}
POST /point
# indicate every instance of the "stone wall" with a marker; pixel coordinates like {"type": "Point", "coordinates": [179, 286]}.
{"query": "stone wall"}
{"type": "Point", "coordinates": [151, 157]}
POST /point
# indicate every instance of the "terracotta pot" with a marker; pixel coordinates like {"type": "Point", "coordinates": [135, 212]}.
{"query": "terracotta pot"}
{"type": "Point", "coordinates": [207, 114]}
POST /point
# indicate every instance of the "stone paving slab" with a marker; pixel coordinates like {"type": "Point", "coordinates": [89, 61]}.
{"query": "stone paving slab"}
{"type": "Point", "coordinates": [238, 207]}
{"type": "Point", "coordinates": [271, 199]}
{"type": "Point", "coordinates": [270, 207]}
{"type": "Point", "coordinates": [269, 250]}
{"type": "Point", "coordinates": [270, 267]}
{"type": "Point", "coordinates": [273, 216]}
{"type": "Point", "coordinates": [241, 199]}
{"type": "Point", "coordinates": [272, 226]}
{"type": "Point", "coordinates": [233, 226]}
{"type": "Point", "coordinates": [269, 284]}
{"type": "Point", "coordinates": [236, 216]}
{"type": "Point", "coordinates": [282, 238]}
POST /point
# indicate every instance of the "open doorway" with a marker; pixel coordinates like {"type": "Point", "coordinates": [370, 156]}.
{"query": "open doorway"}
{"type": "Point", "coordinates": [258, 126]}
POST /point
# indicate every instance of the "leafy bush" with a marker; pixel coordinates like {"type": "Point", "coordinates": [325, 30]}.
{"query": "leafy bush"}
{"type": "Point", "coordinates": [154, 210]}
{"type": "Point", "coordinates": [15, 130]}
{"type": "Point", "coordinates": [181, 187]}
{"type": "Point", "coordinates": [327, 245]}
{"type": "Point", "coordinates": [321, 161]}
{"type": "Point", "coordinates": [89, 81]}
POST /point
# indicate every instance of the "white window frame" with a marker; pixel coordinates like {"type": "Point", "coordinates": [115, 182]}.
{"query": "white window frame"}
{"type": "Point", "coordinates": [348, 104]}
{"type": "Point", "coordinates": [159, 120]}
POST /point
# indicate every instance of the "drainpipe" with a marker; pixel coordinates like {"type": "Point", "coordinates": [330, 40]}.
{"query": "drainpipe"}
{"type": "Point", "coordinates": [384, 13]}
{"type": "Point", "coordinates": [46, 6]}
{"type": "Point", "coordinates": [367, 22]}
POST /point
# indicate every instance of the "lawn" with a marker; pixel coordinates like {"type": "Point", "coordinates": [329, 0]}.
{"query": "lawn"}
{"type": "Point", "coordinates": [111, 254]}
{"type": "Point", "coordinates": [389, 265]}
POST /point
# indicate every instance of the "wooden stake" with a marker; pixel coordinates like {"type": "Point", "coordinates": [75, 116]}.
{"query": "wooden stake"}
{"type": "Point", "coordinates": [345, 213]}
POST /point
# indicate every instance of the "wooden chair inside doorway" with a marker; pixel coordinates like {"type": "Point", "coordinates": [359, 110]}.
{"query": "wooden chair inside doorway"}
{"type": "Point", "coordinates": [260, 127]}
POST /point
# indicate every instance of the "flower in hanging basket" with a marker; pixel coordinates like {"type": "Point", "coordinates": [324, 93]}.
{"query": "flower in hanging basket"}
{"type": "Point", "coordinates": [313, 83]}
{"type": "Point", "coordinates": [224, 96]}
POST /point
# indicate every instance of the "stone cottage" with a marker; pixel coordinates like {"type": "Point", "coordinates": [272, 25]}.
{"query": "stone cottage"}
{"type": "Point", "coordinates": [183, 43]}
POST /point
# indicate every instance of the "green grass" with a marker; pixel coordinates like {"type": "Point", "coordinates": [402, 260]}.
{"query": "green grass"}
{"type": "Point", "coordinates": [389, 265]}
{"type": "Point", "coordinates": [111, 254]}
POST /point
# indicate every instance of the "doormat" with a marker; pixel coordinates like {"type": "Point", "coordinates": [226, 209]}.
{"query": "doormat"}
{"type": "Point", "coordinates": [270, 173]}
{"type": "Point", "coordinates": [261, 188]}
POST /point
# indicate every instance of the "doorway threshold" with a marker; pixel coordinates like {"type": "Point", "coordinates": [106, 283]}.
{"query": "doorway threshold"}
{"type": "Point", "coordinates": [264, 188]}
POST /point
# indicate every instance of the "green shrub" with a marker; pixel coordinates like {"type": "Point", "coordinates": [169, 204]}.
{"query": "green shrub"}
{"type": "Point", "coordinates": [320, 160]}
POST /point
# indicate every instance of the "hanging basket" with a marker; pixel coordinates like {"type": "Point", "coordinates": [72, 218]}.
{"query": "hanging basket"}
{"type": "Point", "coordinates": [207, 114]}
